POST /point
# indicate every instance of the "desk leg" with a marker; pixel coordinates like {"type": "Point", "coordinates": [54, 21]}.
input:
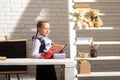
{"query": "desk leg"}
{"type": "Point", "coordinates": [69, 73]}
{"type": "Point", "coordinates": [18, 76]}
{"type": "Point", "coordinates": [7, 77]}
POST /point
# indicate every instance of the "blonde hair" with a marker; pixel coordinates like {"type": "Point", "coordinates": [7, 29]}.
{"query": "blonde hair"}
{"type": "Point", "coordinates": [39, 25]}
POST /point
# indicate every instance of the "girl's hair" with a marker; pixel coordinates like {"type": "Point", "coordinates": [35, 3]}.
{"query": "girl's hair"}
{"type": "Point", "coordinates": [39, 25]}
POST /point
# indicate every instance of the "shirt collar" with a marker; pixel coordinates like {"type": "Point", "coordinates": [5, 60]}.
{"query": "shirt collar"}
{"type": "Point", "coordinates": [40, 36]}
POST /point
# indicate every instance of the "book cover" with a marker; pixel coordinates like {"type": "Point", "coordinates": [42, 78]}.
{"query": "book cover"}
{"type": "Point", "coordinates": [56, 48]}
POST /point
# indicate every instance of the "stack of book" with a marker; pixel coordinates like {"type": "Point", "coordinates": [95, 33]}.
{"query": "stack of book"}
{"type": "Point", "coordinates": [59, 55]}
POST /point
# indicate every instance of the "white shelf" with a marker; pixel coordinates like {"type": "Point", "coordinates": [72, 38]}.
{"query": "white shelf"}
{"type": "Point", "coordinates": [100, 42]}
{"type": "Point", "coordinates": [96, 0]}
{"type": "Point", "coordinates": [99, 74]}
{"type": "Point", "coordinates": [107, 42]}
{"type": "Point", "coordinates": [110, 14]}
{"type": "Point", "coordinates": [100, 58]}
{"type": "Point", "coordinates": [101, 28]}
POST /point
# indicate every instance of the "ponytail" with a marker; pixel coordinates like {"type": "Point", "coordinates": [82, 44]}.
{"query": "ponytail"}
{"type": "Point", "coordinates": [36, 34]}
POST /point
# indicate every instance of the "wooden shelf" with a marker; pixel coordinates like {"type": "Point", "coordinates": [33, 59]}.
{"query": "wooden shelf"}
{"type": "Point", "coordinates": [99, 74]}
{"type": "Point", "coordinates": [100, 58]}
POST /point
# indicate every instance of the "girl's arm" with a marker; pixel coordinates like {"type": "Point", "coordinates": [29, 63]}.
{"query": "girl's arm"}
{"type": "Point", "coordinates": [35, 49]}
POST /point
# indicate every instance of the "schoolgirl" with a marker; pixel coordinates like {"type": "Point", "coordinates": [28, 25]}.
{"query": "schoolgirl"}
{"type": "Point", "coordinates": [41, 42]}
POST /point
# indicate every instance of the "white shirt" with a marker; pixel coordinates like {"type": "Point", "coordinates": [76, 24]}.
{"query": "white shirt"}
{"type": "Point", "coordinates": [36, 45]}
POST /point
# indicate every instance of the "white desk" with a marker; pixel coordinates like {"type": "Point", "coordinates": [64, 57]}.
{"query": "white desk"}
{"type": "Point", "coordinates": [69, 64]}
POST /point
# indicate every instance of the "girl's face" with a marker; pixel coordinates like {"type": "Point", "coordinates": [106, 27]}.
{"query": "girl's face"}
{"type": "Point", "coordinates": [44, 30]}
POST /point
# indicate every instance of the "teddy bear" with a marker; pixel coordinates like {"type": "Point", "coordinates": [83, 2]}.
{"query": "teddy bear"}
{"type": "Point", "coordinates": [94, 19]}
{"type": "Point", "coordinates": [80, 19]}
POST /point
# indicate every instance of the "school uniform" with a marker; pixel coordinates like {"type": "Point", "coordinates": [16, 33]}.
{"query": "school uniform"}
{"type": "Point", "coordinates": [43, 72]}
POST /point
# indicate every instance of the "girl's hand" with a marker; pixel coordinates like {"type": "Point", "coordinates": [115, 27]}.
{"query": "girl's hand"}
{"type": "Point", "coordinates": [47, 55]}
{"type": "Point", "coordinates": [42, 55]}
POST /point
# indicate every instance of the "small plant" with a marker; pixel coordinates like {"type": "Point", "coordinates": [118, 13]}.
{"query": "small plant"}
{"type": "Point", "coordinates": [93, 50]}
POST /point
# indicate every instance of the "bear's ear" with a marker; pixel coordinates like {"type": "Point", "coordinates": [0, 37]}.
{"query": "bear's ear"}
{"type": "Point", "coordinates": [76, 11]}
{"type": "Point", "coordinates": [98, 10]}
{"type": "Point", "coordinates": [90, 11]}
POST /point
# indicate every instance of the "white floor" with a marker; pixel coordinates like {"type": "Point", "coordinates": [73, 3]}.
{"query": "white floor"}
{"type": "Point", "coordinates": [22, 77]}
{"type": "Point", "coordinates": [31, 74]}
{"type": "Point", "coordinates": [26, 77]}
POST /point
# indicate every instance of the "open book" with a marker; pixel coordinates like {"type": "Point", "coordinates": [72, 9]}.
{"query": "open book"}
{"type": "Point", "coordinates": [56, 48]}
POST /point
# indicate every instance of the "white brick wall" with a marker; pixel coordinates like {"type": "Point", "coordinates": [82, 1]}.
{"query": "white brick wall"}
{"type": "Point", "coordinates": [18, 20]}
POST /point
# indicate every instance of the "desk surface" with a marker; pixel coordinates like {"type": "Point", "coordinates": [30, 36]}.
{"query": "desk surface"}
{"type": "Point", "coordinates": [31, 61]}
